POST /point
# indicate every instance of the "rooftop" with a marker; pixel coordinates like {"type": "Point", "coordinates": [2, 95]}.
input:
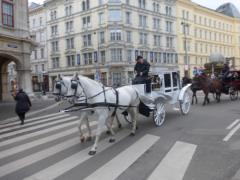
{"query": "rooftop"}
{"type": "Point", "coordinates": [33, 5]}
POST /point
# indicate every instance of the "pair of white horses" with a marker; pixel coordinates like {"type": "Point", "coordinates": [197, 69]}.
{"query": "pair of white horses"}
{"type": "Point", "coordinates": [77, 85]}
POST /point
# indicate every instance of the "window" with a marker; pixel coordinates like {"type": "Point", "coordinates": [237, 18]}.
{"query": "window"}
{"type": "Point", "coordinates": [7, 14]}
{"type": "Point", "coordinates": [185, 60]}
{"type": "Point", "coordinates": [144, 54]}
{"type": "Point", "coordinates": [223, 27]}
{"type": "Point", "coordinates": [200, 20]}
{"type": "Point", "coordinates": [103, 58]}
{"type": "Point", "coordinates": [154, 7]}
{"type": "Point", "coordinates": [54, 30]}
{"type": "Point", "coordinates": [206, 49]}
{"type": "Point", "coordinates": [227, 28]}
{"type": "Point", "coordinates": [205, 21]}
{"type": "Point", "coordinates": [168, 26]}
{"type": "Point", "coordinates": [128, 17]}
{"type": "Point", "coordinates": [87, 58]}
{"type": "Point", "coordinates": [223, 38]}
{"type": "Point", "coordinates": [195, 19]}
{"type": "Point", "coordinates": [187, 30]}
{"type": "Point", "coordinates": [70, 61]}
{"type": "Point", "coordinates": [70, 43]}
{"type": "Point", "coordinates": [36, 68]}
{"type": "Point", "coordinates": [100, 2]}
{"type": "Point", "coordinates": [115, 15]}
{"type": "Point", "coordinates": [215, 48]}
{"type": "Point", "coordinates": [41, 37]}
{"type": "Point", "coordinates": [196, 47]}
{"type": "Point", "coordinates": [210, 36]}
{"type": "Point", "coordinates": [200, 33]}
{"type": "Point", "coordinates": [143, 21]}
{"type": "Point", "coordinates": [215, 24]}
{"type": "Point", "coordinates": [127, 2]}
{"type": "Point", "coordinates": [69, 26]}
{"type": "Point", "coordinates": [205, 34]}
{"type": "Point", "coordinates": [54, 46]}
{"type": "Point", "coordinates": [169, 42]}
{"type": "Point", "coordinates": [83, 6]}
{"type": "Point", "coordinates": [42, 53]}
{"type": "Point", "coordinates": [157, 40]}
{"type": "Point", "coordinates": [102, 37]}
{"type": "Point", "coordinates": [55, 62]}
{"type": "Point", "coordinates": [201, 48]}
{"type": "Point", "coordinates": [211, 49]}
{"type": "Point", "coordinates": [116, 54]}
{"type": "Point", "coordinates": [86, 22]}
{"type": "Point", "coordinates": [142, 4]}
{"type": "Point", "coordinates": [40, 21]}
{"type": "Point", "coordinates": [183, 14]}
{"type": "Point", "coordinates": [158, 9]}
{"type": "Point", "coordinates": [68, 10]}
{"type": "Point", "coordinates": [54, 15]}
{"type": "Point", "coordinates": [35, 54]}
{"type": "Point", "coordinates": [188, 60]}
{"type": "Point", "coordinates": [101, 18]}
{"type": "Point", "coordinates": [142, 38]}
{"type": "Point", "coordinates": [169, 58]}
{"type": "Point", "coordinates": [168, 11]}
{"type": "Point", "coordinates": [116, 35]}
{"type": "Point", "coordinates": [104, 78]}
{"type": "Point", "coordinates": [188, 46]}
{"type": "Point", "coordinates": [215, 36]}
{"type": "Point", "coordinates": [129, 55]}
{"type": "Point", "coordinates": [184, 45]}
{"type": "Point", "coordinates": [187, 14]}
{"type": "Point", "coordinates": [129, 36]}
{"type": "Point", "coordinates": [156, 23]}
{"type": "Point", "coordinates": [43, 67]}
{"type": "Point", "coordinates": [87, 40]}
{"type": "Point", "coordinates": [34, 23]}
{"type": "Point", "coordinates": [219, 25]}
{"type": "Point", "coordinates": [157, 57]}
{"type": "Point", "coordinates": [210, 23]}
{"type": "Point", "coordinates": [87, 4]}
{"type": "Point", "coordinates": [220, 37]}
{"type": "Point", "coordinates": [206, 60]}
{"type": "Point", "coordinates": [195, 33]}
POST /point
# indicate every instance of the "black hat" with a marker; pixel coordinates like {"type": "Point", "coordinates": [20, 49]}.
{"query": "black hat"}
{"type": "Point", "coordinates": [139, 57]}
{"type": "Point", "coordinates": [225, 64]}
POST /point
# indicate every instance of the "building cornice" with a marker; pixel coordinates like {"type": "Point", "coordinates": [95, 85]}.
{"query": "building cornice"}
{"type": "Point", "coordinates": [38, 9]}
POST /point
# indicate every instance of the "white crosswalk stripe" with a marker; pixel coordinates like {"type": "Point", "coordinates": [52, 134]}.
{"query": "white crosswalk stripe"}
{"type": "Point", "coordinates": [177, 159]}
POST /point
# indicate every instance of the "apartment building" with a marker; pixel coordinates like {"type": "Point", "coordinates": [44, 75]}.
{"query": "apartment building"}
{"type": "Point", "coordinates": [88, 35]}
{"type": "Point", "coordinates": [202, 31]}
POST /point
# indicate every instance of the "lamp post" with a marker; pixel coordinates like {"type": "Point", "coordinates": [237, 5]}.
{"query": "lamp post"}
{"type": "Point", "coordinates": [95, 33]}
{"type": "Point", "coordinates": [185, 24]}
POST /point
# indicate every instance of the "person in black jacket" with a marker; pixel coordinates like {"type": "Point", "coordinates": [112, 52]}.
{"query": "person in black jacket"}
{"type": "Point", "coordinates": [23, 105]}
{"type": "Point", "coordinates": [224, 72]}
{"type": "Point", "coordinates": [141, 69]}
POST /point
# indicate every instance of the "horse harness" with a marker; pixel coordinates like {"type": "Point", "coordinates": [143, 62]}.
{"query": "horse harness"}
{"type": "Point", "coordinates": [59, 86]}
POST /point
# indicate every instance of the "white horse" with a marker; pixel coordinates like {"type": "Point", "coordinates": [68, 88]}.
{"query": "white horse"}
{"type": "Point", "coordinates": [128, 100]}
{"type": "Point", "coordinates": [60, 89]}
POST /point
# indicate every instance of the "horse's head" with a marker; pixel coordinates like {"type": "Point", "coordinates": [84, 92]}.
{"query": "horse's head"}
{"type": "Point", "coordinates": [185, 81]}
{"type": "Point", "coordinates": [60, 88]}
{"type": "Point", "coordinates": [75, 89]}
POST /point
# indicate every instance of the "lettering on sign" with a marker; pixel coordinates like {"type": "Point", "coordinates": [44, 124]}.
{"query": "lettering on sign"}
{"type": "Point", "coordinates": [88, 70]}
{"type": "Point", "coordinates": [12, 46]}
{"type": "Point", "coordinates": [117, 68]}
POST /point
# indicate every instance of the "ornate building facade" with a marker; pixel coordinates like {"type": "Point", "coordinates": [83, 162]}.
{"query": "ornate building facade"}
{"type": "Point", "coordinates": [202, 31]}
{"type": "Point", "coordinates": [107, 35]}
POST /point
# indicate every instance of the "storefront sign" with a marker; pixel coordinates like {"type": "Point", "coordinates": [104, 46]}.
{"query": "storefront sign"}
{"type": "Point", "coordinates": [136, 54]}
{"type": "Point", "coordinates": [95, 57]}
{"type": "Point", "coordinates": [12, 46]}
{"type": "Point", "coordinates": [151, 56]}
{"type": "Point", "coordinates": [78, 59]}
{"type": "Point", "coordinates": [186, 67]}
{"type": "Point", "coordinates": [164, 57]}
{"type": "Point", "coordinates": [88, 70]}
{"type": "Point", "coordinates": [176, 58]}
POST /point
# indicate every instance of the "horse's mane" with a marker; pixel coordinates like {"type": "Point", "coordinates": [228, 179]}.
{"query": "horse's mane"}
{"type": "Point", "coordinates": [90, 80]}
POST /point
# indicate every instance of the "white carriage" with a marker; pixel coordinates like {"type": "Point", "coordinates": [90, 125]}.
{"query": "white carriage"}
{"type": "Point", "coordinates": [161, 88]}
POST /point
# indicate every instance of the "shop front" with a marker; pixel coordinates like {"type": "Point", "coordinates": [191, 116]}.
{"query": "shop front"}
{"type": "Point", "coordinates": [37, 86]}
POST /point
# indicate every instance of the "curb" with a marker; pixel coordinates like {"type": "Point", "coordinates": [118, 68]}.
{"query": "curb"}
{"type": "Point", "coordinates": [29, 114]}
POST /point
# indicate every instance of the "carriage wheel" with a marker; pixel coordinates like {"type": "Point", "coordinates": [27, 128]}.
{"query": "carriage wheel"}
{"type": "Point", "coordinates": [214, 95]}
{"type": "Point", "coordinates": [159, 114]}
{"type": "Point", "coordinates": [185, 105]}
{"type": "Point", "coordinates": [233, 93]}
{"type": "Point", "coordinates": [128, 118]}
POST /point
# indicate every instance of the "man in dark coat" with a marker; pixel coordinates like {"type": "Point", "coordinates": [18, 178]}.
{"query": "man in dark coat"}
{"type": "Point", "coordinates": [224, 72]}
{"type": "Point", "coordinates": [141, 69]}
{"type": "Point", "coordinates": [23, 105]}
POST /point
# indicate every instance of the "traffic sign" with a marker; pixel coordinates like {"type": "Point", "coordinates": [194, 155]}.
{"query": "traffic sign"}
{"type": "Point", "coordinates": [97, 74]}
{"type": "Point", "coordinates": [194, 72]}
{"type": "Point", "coordinates": [200, 71]}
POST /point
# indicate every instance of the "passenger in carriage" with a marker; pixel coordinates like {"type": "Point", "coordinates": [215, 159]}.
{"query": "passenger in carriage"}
{"type": "Point", "coordinates": [224, 72]}
{"type": "Point", "coordinates": [141, 69]}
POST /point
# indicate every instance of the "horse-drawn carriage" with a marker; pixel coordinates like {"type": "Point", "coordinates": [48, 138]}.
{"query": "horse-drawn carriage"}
{"type": "Point", "coordinates": [161, 88]}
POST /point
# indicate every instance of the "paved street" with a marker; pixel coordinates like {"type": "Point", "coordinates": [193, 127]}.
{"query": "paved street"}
{"type": "Point", "coordinates": [202, 145]}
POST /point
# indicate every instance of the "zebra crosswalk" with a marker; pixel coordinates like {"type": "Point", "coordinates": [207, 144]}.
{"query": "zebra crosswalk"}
{"type": "Point", "coordinates": [48, 147]}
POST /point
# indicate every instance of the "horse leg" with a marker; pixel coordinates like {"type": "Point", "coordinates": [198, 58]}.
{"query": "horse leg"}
{"type": "Point", "coordinates": [219, 94]}
{"type": "Point", "coordinates": [134, 116]}
{"type": "Point", "coordinates": [205, 98]}
{"type": "Point", "coordinates": [89, 138]}
{"type": "Point", "coordinates": [112, 140]}
{"type": "Point", "coordinates": [101, 122]}
{"type": "Point", "coordinates": [196, 97]}
{"type": "Point", "coordinates": [110, 119]}
{"type": "Point", "coordinates": [119, 124]}
{"type": "Point", "coordinates": [83, 118]}
{"type": "Point", "coordinates": [192, 98]}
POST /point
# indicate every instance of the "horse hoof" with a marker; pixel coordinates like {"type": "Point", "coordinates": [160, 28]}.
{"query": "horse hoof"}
{"type": "Point", "coordinates": [91, 153]}
{"type": "Point", "coordinates": [112, 140]}
{"type": "Point", "coordinates": [132, 134]}
{"type": "Point", "coordinates": [119, 126]}
{"type": "Point", "coordinates": [107, 132]}
{"type": "Point", "coordinates": [88, 138]}
{"type": "Point", "coordinates": [137, 128]}
{"type": "Point", "coordinates": [82, 140]}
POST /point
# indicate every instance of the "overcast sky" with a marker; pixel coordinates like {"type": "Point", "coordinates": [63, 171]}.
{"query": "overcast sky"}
{"type": "Point", "coordinates": [213, 4]}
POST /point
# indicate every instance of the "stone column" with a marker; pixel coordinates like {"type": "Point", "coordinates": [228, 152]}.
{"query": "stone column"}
{"type": "Point", "coordinates": [6, 96]}
{"type": "Point", "coordinates": [24, 81]}
{"type": "Point", "coordinates": [50, 83]}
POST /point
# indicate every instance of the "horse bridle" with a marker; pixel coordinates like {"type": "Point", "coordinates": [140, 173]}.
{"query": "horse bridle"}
{"type": "Point", "coordinates": [58, 85]}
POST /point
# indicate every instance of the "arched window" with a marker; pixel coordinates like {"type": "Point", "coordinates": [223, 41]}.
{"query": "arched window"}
{"type": "Point", "coordinates": [70, 9]}
{"type": "Point", "coordinates": [170, 11]}
{"type": "Point", "coordinates": [167, 10]}
{"type": "Point", "coordinates": [154, 7]}
{"type": "Point", "coordinates": [66, 10]}
{"type": "Point", "coordinates": [34, 23]}
{"type": "Point", "coordinates": [140, 3]}
{"type": "Point", "coordinates": [87, 4]}
{"type": "Point", "coordinates": [144, 4]}
{"type": "Point", "coordinates": [83, 5]}
{"type": "Point", "coordinates": [158, 8]}
{"type": "Point", "coordinates": [55, 14]}
{"type": "Point", "coordinates": [51, 15]}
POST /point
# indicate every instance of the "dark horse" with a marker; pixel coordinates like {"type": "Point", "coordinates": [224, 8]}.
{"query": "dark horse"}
{"type": "Point", "coordinates": [209, 85]}
{"type": "Point", "coordinates": [194, 87]}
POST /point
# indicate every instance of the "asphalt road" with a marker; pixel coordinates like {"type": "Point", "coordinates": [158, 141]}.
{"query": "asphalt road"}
{"type": "Point", "coordinates": [196, 146]}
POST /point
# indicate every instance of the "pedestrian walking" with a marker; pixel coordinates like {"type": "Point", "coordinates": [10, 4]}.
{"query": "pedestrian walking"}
{"type": "Point", "coordinates": [23, 105]}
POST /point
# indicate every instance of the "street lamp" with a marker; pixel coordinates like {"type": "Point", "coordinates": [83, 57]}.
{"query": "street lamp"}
{"type": "Point", "coordinates": [95, 33]}
{"type": "Point", "coordinates": [185, 24]}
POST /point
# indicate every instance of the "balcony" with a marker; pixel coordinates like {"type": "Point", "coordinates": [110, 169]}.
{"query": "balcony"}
{"type": "Point", "coordinates": [114, 3]}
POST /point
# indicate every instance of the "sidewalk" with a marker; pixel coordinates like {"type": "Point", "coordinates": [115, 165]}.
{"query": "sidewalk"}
{"type": "Point", "coordinates": [7, 108]}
